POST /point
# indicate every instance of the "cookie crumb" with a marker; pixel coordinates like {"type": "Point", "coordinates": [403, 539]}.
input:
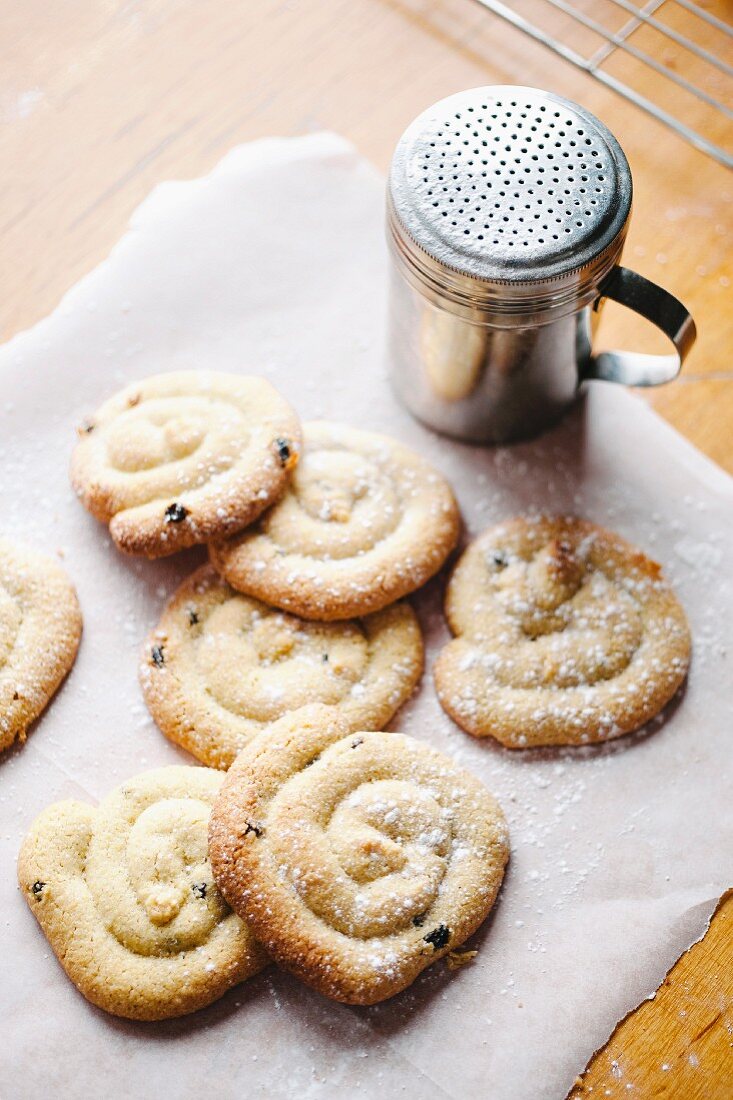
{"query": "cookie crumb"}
{"type": "Point", "coordinates": [454, 960]}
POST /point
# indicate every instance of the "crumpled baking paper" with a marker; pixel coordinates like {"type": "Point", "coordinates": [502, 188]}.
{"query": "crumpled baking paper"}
{"type": "Point", "coordinates": [275, 263]}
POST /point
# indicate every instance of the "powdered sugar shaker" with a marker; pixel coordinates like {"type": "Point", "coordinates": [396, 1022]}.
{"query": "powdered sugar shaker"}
{"type": "Point", "coordinates": [508, 208]}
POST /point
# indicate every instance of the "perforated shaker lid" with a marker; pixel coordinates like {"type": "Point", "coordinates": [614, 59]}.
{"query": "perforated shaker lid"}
{"type": "Point", "coordinates": [510, 184]}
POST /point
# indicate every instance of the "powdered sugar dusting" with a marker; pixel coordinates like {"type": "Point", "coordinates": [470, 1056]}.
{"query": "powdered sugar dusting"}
{"type": "Point", "coordinates": [642, 861]}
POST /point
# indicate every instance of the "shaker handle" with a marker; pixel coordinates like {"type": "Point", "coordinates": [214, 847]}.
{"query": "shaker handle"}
{"type": "Point", "coordinates": [663, 310]}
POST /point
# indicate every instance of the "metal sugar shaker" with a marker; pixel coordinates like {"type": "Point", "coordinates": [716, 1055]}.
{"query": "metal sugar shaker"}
{"type": "Point", "coordinates": [507, 212]}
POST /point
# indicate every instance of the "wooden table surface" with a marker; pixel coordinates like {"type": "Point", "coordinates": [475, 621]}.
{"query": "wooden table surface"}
{"type": "Point", "coordinates": [102, 99]}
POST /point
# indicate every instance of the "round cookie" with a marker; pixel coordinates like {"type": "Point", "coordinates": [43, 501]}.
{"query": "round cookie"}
{"type": "Point", "coordinates": [358, 858]}
{"type": "Point", "coordinates": [363, 522]}
{"type": "Point", "coordinates": [125, 896]}
{"type": "Point", "coordinates": [40, 628]}
{"type": "Point", "coordinates": [565, 634]}
{"type": "Point", "coordinates": [222, 666]}
{"type": "Point", "coordinates": [181, 458]}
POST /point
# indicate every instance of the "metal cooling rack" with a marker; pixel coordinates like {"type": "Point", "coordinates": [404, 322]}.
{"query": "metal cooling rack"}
{"type": "Point", "coordinates": [619, 40]}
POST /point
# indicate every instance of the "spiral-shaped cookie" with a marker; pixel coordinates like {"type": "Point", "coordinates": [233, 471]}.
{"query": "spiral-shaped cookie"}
{"type": "Point", "coordinates": [181, 458]}
{"type": "Point", "coordinates": [565, 634]}
{"type": "Point", "coordinates": [222, 666]}
{"type": "Point", "coordinates": [358, 858]}
{"type": "Point", "coordinates": [40, 628]}
{"type": "Point", "coordinates": [125, 896]}
{"type": "Point", "coordinates": [364, 521]}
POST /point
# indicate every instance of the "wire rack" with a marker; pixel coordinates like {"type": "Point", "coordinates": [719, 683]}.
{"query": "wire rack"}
{"type": "Point", "coordinates": [706, 110]}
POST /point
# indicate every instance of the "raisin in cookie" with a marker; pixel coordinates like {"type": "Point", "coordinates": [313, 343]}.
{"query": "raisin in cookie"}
{"type": "Point", "coordinates": [565, 634]}
{"type": "Point", "coordinates": [181, 458]}
{"type": "Point", "coordinates": [40, 628]}
{"type": "Point", "coordinates": [221, 666]}
{"type": "Point", "coordinates": [358, 858]}
{"type": "Point", "coordinates": [363, 522]}
{"type": "Point", "coordinates": [125, 896]}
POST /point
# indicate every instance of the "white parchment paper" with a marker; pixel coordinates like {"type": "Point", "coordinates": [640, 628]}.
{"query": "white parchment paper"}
{"type": "Point", "coordinates": [275, 263]}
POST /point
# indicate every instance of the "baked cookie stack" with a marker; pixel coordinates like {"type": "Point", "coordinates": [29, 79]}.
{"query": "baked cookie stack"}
{"type": "Point", "coordinates": [300, 607]}
{"type": "Point", "coordinates": [296, 608]}
{"type": "Point", "coordinates": [353, 860]}
{"type": "Point", "coordinates": [352, 857]}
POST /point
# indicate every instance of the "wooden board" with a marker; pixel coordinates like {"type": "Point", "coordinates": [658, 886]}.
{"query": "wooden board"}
{"type": "Point", "coordinates": [102, 99]}
{"type": "Point", "coordinates": [679, 1045]}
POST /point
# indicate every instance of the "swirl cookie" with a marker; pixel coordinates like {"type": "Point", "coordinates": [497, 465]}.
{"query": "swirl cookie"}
{"type": "Point", "coordinates": [222, 666]}
{"type": "Point", "coordinates": [357, 858]}
{"type": "Point", "coordinates": [363, 522]}
{"type": "Point", "coordinates": [40, 628]}
{"type": "Point", "coordinates": [181, 458]}
{"type": "Point", "coordinates": [125, 896]}
{"type": "Point", "coordinates": [565, 634]}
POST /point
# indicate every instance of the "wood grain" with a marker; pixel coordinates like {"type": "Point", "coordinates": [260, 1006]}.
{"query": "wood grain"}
{"type": "Point", "coordinates": [679, 1045]}
{"type": "Point", "coordinates": [102, 99]}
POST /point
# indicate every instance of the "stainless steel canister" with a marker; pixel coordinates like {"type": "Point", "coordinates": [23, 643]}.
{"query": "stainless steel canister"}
{"type": "Point", "coordinates": [507, 213]}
